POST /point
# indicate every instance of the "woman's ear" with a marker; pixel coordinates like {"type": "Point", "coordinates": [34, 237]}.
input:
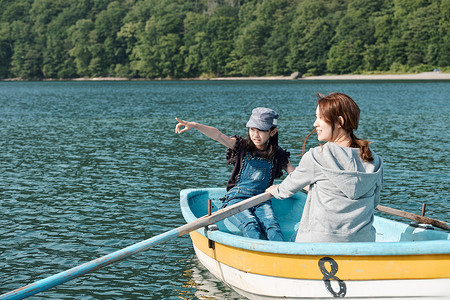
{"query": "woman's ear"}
{"type": "Point", "coordinates": [273, 132]}
{"type": "Point", "coordinates": [340, 121]}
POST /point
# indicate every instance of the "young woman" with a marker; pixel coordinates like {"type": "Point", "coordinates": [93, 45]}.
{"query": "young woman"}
{"type": "Point", "coordinates": [343, 176]}
{"type": "Point", "coordinates": [257, 161]}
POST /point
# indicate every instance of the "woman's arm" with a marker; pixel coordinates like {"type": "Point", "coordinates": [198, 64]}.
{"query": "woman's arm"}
{"type": "Point", "coordinates": [209, 131]}
{"type": "Point", "coordinates": [300, 178]}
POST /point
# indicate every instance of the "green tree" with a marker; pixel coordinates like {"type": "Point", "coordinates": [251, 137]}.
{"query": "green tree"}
{"type": "Point", "coordinates": [311, 33]}
{"type": "Point", "coordinates": [112, 51]}
{"type": "Point", "coordinates": [194, 44]}
{"type": "Point", "coordinates": [57, 62]}
{"type": "Point", "coordinates": [249, 49]}
{"type": "Point", "coordinates": [5, 50]}
{"type": "Point", "coordinates": [444, 32]}
{"type": "Point", "coordinates": [26, 59]}
{"type": "Point", "coordinates": [422, 36]}
{"type": "Point", "coordinates": [81, 40]}
{"type": "Point", "coordinates": [345, 57]}
{"type": "Point", "coordinates": [257, 21]}
{"type": "Point", "coordinates": [220, 30]}
{"type": "Point", "coordinates": [276, 47]}
{"type": "Point", "coordinates": [354, 34]}
{"type": "Point", "coordinates": [159, 41]}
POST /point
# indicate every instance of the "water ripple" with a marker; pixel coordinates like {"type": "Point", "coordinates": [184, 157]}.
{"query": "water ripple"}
{"type": "Point", "coordinates": [88, 168]}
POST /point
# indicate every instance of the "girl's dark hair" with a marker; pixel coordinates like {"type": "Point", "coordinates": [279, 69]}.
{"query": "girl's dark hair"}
{"type": "Point", "coordinates": [272, 145]}
{"type": "Point", "coordinates": [337, 105]}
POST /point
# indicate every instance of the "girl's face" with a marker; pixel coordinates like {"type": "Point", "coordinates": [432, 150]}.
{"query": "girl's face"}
{"type": "Point", "coordinates": [324, 130]}
{"type": "Point", "coordinates": [260, 137]}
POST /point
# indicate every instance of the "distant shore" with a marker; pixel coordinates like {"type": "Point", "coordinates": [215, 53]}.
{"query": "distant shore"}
{"type": "Point", "coordinates": [417, 76]}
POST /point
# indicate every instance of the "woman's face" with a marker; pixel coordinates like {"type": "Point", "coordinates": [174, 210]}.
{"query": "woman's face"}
{"type": "Point", "coordinates": [260, 137]}
{"type": "Point", "coordinates": [324, 130]}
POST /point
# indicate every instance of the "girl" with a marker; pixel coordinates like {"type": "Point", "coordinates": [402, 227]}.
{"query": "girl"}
{"type": "Point", "coordinates": [257, 161]}
{"type": "Point", "coordinates": [343, 176]}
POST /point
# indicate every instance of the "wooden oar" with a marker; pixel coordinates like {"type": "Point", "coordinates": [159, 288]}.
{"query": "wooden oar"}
{"type": "Point", "coordinates": [98, 263]}
{"type": "Point", "coordinates": [414, 217]}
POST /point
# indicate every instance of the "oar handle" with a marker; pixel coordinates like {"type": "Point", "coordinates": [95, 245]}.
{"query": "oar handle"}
{"type": "Point", "coordinates": [224, 213]}
{"type": "Point", "coordinates": [414, 217]}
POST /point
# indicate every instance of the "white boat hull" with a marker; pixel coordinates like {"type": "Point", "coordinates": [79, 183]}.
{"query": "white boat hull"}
{"type": "Point", "coordinates": [254, 286]}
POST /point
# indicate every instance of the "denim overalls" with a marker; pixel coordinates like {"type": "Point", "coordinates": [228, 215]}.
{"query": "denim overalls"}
{"type": "Point", "coordinates": [253, 179]}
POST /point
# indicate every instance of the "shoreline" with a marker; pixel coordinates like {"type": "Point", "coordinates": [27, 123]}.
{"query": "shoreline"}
{"type": "Point", "coordinates": [416, 76]}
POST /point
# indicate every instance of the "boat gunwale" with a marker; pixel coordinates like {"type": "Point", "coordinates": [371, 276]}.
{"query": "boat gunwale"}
{"type": "Point", "coordinates": [291, 248]}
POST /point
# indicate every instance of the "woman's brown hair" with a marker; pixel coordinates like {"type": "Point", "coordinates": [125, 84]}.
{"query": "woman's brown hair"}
{"type": "Point", "coordinates": [336, 105]}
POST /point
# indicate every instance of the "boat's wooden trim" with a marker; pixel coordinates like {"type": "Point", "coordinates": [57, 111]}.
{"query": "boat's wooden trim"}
{"type": "Point", "coordinates": [414, 217]}
{"type": "Point", "coordinates": [314, 267]}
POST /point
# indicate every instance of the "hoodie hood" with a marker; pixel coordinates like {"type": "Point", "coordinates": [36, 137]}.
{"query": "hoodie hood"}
{"type": "Point", "coordinates": [344, 167]}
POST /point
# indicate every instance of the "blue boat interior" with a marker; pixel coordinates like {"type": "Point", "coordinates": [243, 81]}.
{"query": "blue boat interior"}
{"type": "Point", "coordinates": [289, 211]}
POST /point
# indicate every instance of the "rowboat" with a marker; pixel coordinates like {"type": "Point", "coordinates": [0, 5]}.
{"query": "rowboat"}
{"type": "Point", "coordinates": [405, 262]}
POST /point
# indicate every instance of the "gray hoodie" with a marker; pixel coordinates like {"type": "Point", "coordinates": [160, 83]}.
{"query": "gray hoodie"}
{"type": "Point", "coordinates": [343, 193]}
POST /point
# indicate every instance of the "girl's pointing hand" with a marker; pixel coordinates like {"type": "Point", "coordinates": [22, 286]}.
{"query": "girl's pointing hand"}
{"type": "Point", "coordinates": [181, 123]}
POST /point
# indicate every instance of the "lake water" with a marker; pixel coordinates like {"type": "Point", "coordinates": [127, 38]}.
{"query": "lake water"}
{"type": "Point", "coordinates": [88, 168]}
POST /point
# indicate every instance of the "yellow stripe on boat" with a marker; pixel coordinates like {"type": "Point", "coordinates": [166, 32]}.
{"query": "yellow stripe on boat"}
{"type": "Point", "coordinates": [429, 266]}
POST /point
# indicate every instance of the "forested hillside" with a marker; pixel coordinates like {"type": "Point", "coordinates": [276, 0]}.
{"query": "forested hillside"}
{"type": "Point", "coordinates": [193, 38]}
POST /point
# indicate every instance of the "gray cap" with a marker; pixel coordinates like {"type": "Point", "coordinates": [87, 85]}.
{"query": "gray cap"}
{"type": "Point", "coordinates": [263, 118]}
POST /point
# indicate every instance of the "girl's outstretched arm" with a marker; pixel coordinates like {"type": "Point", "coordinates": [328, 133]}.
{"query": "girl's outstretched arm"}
{"type": "Point", "coordinates": [209, 131]}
